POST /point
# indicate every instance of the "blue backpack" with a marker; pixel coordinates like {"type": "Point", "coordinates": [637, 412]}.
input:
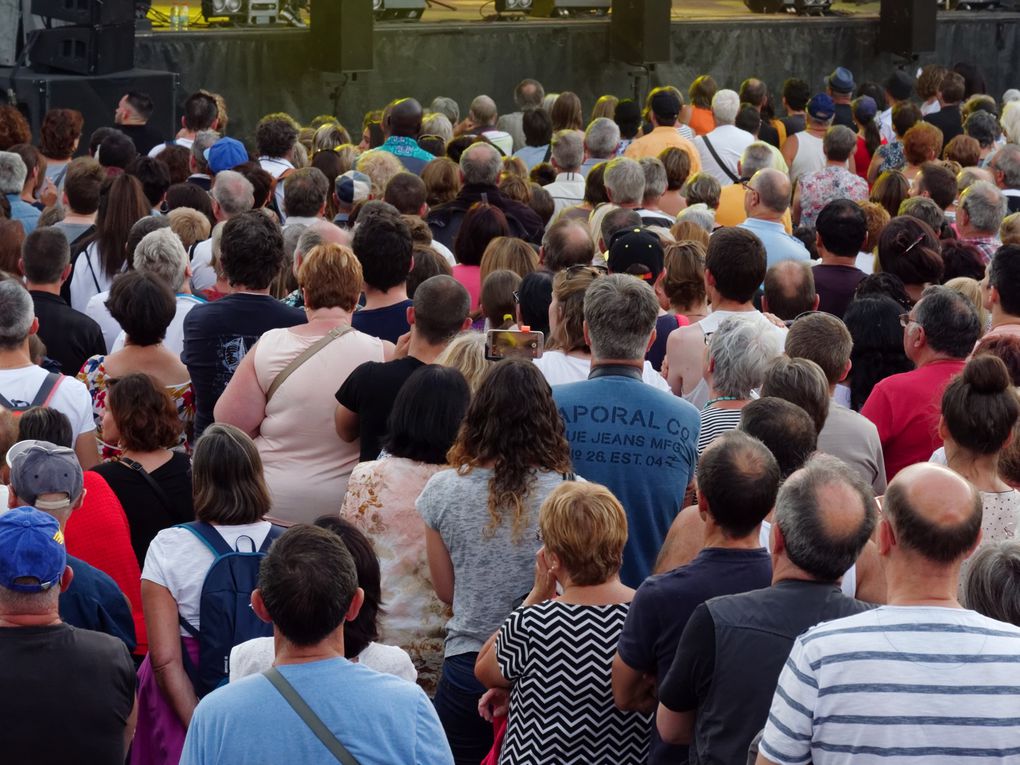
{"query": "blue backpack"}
{"type": "Point", "coordinates": [224, 611]}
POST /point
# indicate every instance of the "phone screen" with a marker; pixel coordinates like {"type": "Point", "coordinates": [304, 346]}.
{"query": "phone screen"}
{"type": "Point", "coordinates": [512, 344]}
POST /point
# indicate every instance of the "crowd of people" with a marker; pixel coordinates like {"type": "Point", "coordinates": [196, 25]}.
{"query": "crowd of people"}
{"type": "Point", "coordinates": [744, 488]}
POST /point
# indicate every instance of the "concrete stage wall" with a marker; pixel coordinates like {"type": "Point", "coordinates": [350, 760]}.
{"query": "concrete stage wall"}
{"type": "Point", "coordinates": [267, 70]}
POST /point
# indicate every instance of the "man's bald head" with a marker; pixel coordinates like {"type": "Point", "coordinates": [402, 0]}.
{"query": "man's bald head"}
{"type": "Point", "coordinates": [790, 289]}
{"type": "Point", "coordinates": [483, 111]}
{"type": "Point", "coordinates": [320, 232]}
{"type": "Point", "coordinates": [773, 188]}
{"type": "Point", "coordinates": [403, 118]}
{"type": "Point", "coordinates": [934, 513]}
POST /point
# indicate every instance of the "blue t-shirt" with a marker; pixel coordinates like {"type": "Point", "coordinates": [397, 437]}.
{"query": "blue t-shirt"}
{"type": "Point", "coordinates": [640, 443]}
{"type": "Point", "coordinates": [95, 602]}
{"type": "Point", "coordinates": [381, 719]}
{"type": "Point", "coordinates": [663, 605]}
{"type": "Point", "coordinates": [387, 323]}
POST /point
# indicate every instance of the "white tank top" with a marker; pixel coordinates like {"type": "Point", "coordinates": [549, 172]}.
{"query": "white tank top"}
{"type": "Point", "coordinates": [849, 582]}
{"type": "Point", "coordinates": [809, 158]}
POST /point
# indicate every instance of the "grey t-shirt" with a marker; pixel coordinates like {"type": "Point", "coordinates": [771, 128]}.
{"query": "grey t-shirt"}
{"type": "Point", "coordinates": [854, 439]}
{"type": "Point", "coordinates": [492, 574]}
{"type": "Point", "coordinates": [72, 230]}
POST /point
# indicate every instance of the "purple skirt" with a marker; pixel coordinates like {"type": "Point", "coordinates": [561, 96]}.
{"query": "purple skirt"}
{"type": "Point", "coordinates": [159, 737]}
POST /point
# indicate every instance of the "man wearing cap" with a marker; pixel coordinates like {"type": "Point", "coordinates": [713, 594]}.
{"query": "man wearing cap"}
{"type": "Point", "coordinates": [49, 478]}
{"type": "Point", "coordinates": [803, 151]}
{"type": "Point", "coordinates": [898, 88]}
{"type": "Point", "coordinates": [225, 154]}
{"type": "Point", "coordinates": [68, 693]}
{"type": "Point", "coordinates": [840, 87]}
{"type": "Point", "coordinates": [349, 189]}
{"type": "Point", "coordinates": [232, 194]}
{"type": "Point", "coordinates": [665, 109]}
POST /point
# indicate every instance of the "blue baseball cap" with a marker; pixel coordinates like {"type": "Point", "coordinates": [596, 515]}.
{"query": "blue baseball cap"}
{"type": "Point", "coordinates": [821, 107]}
{"type": "Point", "coordinates": [225, 154]}
{"type": "Point", "coordinates": [31, 548]}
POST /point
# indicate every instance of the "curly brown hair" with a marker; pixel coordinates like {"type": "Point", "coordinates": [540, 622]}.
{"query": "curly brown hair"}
{"type": "Point", "coordinates": [496, 431]}
{"type": "Point", "coordinates": [144, 413]}
{"type": "Point", "coordinates": [60, 132]}
{"type": "Point", "coordinates": [14, 128]}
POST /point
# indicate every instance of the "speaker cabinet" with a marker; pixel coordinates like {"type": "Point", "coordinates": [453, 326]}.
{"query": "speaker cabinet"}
{"type": "Point", "coordinates": [342, 32]}
{"type": "Point", "coordinates": [84, 50]}
{"type": "Point", "coordinates": [87, 12]}
{"type": "Point", "coordinates": [639, 31]}
{"type": "Point", "coordinates": [907, 27]}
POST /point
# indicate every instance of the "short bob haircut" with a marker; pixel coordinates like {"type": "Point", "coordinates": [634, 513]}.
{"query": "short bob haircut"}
{"type": "Point", "coordinates": [226, 474]}
{"type": "Point", "coordinates": [330, 276]}
{"type": "Point", "coordinates": [143, 304]}
{"type": "Point", "coordinates": [922, 143]}
{"type": "Point", "coordinates": [510, 254]}
{"type": "Point", "coordinates": [992, 585]}
{"type": "Point", "coordinates": [427, 414]}
{"type": "Point", "coordinates": [585, 526]}
{"type": "Point", "coordinates": [145, 414]}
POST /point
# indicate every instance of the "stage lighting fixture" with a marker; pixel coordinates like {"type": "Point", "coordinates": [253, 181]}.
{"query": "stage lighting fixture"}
{"type": "Point", "coordinates": [242, 12]}
{"type": "Point", "coordinates": [522, 7]}
{"type": "Point", "coordinates": [570, 8]}
{"type": "Point", "coordinates": [398, 10]}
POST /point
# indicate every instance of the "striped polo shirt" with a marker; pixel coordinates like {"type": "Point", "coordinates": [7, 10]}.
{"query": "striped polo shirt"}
{"type": "Point", "coordinates": [899, 684]}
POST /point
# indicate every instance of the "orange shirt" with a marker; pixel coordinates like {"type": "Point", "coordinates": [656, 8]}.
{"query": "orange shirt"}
{"type": "Point", "coordinates": [702, 120]}
{"type": "Point", "coordinates": [662, 138]}
{"type": "Point", "coordinates": [731, 208]}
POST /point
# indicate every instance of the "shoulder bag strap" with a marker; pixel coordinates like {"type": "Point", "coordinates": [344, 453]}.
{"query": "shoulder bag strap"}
{"type": "Point", "coordinates": [292, 367]}
{"type": "Point", "coordinates": [164, 500]}
{"type": "Point", "coordinates": [312, 720]}
{"type": "Point", "coordinates": [92, 270]}
{"type": "Point", "coordinates": [47, 389]}
{"type": "Point", "coordinates": [722, 165]}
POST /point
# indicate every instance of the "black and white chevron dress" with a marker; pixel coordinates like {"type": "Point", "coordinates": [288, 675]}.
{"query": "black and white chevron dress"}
{"type": "Point", "coordinates": [559, 658]}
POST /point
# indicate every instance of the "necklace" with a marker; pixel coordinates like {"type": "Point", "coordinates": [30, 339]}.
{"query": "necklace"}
{"type": "Point", "coordinates": [718, 399]}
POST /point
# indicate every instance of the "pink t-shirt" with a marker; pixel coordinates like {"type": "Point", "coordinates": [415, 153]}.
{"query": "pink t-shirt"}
{"type": "Point", "coordinates": [471, 278]}
{"type": "Point", "coordinates": [906, 409]}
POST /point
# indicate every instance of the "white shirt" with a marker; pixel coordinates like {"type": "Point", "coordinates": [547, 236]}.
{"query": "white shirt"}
{"type": "Point", "coordinates": [20, 386]}
{"type": "Point", "coordinates": [255, 656]}
{"type": "Point", "coordinates": [156, 150]}
{"type": "Point", "coordinates": [729, 143]}
{"type": "Point", "coordinates": [303, 220]}
{"type": "Point", "coordinates": [810, 156]}
{"type": "Point", "coordinates": [566, 191]}
{"type": "Point", "coordinates": [96, 310]}
{"type": "Point", "coordinates": [88, 278]}
{"type": "Point", "coordinates": [203, 276]}
{"type": "Point", "coordinates": [277, 166]}
{"type": "Point", "coordinates": [885, 127]}
{"type": "Point", "coordinates": [174, 340]}
{"type": "Point", "coordinates": [443, 250]}
{"type": "Point", "coordinates": [559, 369]}
{"type": "Point", "coordinates": [179, 561]}
{"type": "Point", "coordinates": [865, 262]}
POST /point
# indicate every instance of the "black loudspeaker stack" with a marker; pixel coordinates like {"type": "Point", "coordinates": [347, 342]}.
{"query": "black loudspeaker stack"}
{"type": "Point", "coordinates": [639, 31]}
{"type": "Point", "coordinates": [100, 40]}
{"type": "Point", "coordinates": [342, 35]}
{"type": "Point", "coordinates": [907, 27]}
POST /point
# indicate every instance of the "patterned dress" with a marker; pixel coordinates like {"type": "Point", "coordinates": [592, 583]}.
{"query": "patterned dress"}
{"type": "Point", "coordinates": [819, 188]}
{"type": "Point", "coordinates": [559, 657]}
{"type": "Point", "coordinates": [380, 502]}
{"type": "Point", "coordinates": [892, 156]}
{"type": "Point", "coordinates": [95, 377]}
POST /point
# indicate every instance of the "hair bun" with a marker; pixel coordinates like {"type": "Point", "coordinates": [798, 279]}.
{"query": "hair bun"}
{"type": "Point", "coordinates": [987, 374]}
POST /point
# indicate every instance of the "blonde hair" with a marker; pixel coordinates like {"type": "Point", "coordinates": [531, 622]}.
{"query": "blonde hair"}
{"type": "Point", "coordinates": [1009, 231]}
{"type": "Point", "coordinates": [190, 225]}
{"type": "Point", "coordinates": [508, 253]}
{"type": "Point", "coordinates": [971, 289]}
{"type": "Point", "coordinates": [585, 526]}
{"type": "Point", "coordinates": [683, 274]}
{"type": "Point", "coordinates": [330, 276]}
{"type": "Point", "coordinates": [688, 231]}
{"type": "Point", "coordinates": [466, 354]}
{"type": "Point", "coordinates": [380, 167]}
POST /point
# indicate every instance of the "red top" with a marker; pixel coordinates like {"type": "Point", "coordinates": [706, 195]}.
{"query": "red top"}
{"type": "Point", "coordinates": [906, 409]}
{"type": "Point", "coordinates": [97, 532]}
{"type": "Point", "coordinates": [862, 158]}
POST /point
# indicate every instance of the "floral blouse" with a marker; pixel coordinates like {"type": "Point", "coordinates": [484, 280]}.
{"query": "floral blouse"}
{"type": "Point", "coordinates": [892, 156]}
{"type": "Point", "coordinates": [96, 379]}
{"type": "Point", "coordinates": [819, 188]}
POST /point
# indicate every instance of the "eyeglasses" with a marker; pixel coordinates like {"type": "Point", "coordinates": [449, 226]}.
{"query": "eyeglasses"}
{"type": "Point", "coordinates": [906, 320]}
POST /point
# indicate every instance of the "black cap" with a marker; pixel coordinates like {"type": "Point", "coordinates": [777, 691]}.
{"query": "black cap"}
{"type": "Point", "coordinates": [636, 247]}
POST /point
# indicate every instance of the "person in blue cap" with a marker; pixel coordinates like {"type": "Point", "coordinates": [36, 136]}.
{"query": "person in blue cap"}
{"type": "Point", "coordinates": [69, 694]}
{"type": "Point", "coordinates": [840, 87]}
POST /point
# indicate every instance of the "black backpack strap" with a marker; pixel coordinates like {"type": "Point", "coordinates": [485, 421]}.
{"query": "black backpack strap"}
{"type": "Point", "coordinates": [51, 381]}
{"type": "Point", "coordinates": [718, 160]}
{"type": "Point", "coordinates": [7, 404]}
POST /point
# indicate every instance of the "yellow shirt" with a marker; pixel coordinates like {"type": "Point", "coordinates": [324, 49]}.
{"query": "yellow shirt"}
{"type": "Point", "coordinates": [731, 208]}
{"type": "Point", "coordinates": [653, 144]}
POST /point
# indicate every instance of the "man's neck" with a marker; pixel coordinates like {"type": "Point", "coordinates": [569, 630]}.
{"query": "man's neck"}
{"type": "Point", "coordinates": [911, 581]}
{"type": "Point", "coordinates": [72, 217]}
{"type": "Point", "coordinates": [332, 647]}
{"type": "Point", "coordinates": [422, 350]}
{"type": "Point", "coordinates": [715, 537]}
{"type": "Point", "coordinates": [831, 259]}
{"type": "Point", "coordinates": [725, 304]}
{"type": "Point", "coordinates": [16, 358]}
{"type": "Point", "coordinates": [785, 570]}
{"type": "Point", "coordinates": [49, 289]}
{"type": "Point", "coordinates": [967, 232]}
{"type": "Point", "coordinates": [132, 121]}
{"type": "Point", "coordinates": [241, 288]}
{"type": "Point", "coordinates": [384, 298]}
{"type": "Point", "coordinates": [50, 619]}
{"type": "Point", "coordinates": [1001, 319]}
{"type": "Point", "coordinates": [770, 216]}
{"type": "Point", "coordinates": [929, 356]}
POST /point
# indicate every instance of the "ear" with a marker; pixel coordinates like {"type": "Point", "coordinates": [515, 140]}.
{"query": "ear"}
{"type": "Point", "coordinates": [846, 370]}
{"type": "Point", "coordinates": [587, 334]}
{"type": "Point", "coordinates": [814, 306]}
{"type": "Point", "coordinates": [943, 431]}
{"type": "Point", "coordinates": [886, 537]}
{"type": "Point", "coordinates": [467, 323]}
{"type": "Point", "coordinates": [259, 607]}
{"type": "Point", "coordinates": [21, 264]}
{"type": "Point", "coordinates": [81, 500]}
{"type": "Point", "coordinates": [66, 273]}
{"type": "Point", "coordinates": [355, 607]}
{"type": "Point", "coordinates": [541, 254]}
{"type": "Point", "coordinates": [651, 340]}
{"type": "Point", "coordinates": [818, 242]}
{"type": "Point", "coordinates": [764, 304]}
{"type": "Point", "coordinates": [410, 315]}
{"type": "Point", "coordinates": [709, 278]}
{"type": "Point", "coordinates": [993, 297]}
{"type": "Point", "coordinates": [34, 329]}
{"type": "Point", "coordinates": [423, 210]}
{"type": "Point", "coordinates": [66, 578]}
{"type": "Point", "coordinates": [778, 541]}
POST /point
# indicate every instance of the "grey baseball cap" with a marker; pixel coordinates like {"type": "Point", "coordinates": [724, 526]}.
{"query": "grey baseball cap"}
{"type": "Point", "coordinates": [39, 467]}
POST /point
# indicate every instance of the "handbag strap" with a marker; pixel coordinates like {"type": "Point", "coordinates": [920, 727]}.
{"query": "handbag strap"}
{"type": "Point", "coordinates": [309, 718]}
{"type": "Point", "coordinates": [301, 358]}
{"type": "Point", "coordinates": [156, 488]}
{"type": "Point", "coordinates": [718, 160]}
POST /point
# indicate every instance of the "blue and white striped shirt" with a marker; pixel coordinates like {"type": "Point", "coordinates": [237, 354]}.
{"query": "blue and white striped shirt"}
{"type": "Point", "coordinates": [899, 684]}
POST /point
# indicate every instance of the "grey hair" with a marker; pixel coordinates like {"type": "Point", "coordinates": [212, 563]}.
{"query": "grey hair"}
{"type": "Point", "coordinates": [602, 137]}
{"type": "Point", "coordinates": [741, 350]}
{"type": "Point", "coordinates": [725, 105]}
{"type": "Point", "coordinates": [971, 175]}
{"type": "Point", "coordinates": [985, 205]}
{"type": "Point", "coordinates": [291, 237]}
{"type": "Point", "coordinates": [308, 240]}
{"type": "Point", "coordinates": [161, 253]}
{"type": "Point", "coordinates": [773, 188]}
{"type": "Point", "coordinates": [1010, 120]}
{"type": "Point", "coordinates": [700, 215]}
{"type": "Point", "coordinates": [481, 163]}
{"type": "Point", "coordinates": [839, 143]}
{"type": "Point", "coordinates": [233, 193]}
{"type": "Point", "coordinates": [625, 180]}
{"type": "Point", "coordinates": [568, 149]}
{"type": "Point", "coordinates": [800, 516]}
{"type": "Point", "coordinates": [437, 123]}
{"type": "Point", "coordinates": [655, 177]}
{"type": "Point", "coordinates": [12, 173]}
{"type": "Point", "coordinates": [483, 109]}
{"type": "Point", "coordinates": [203, 140]}
{"type": "Point", "coordinates": [528, 94]}
{"type": "Point", "coordinates": [757, 156]}
{"type": "Point", "coordinates": [620, 311]}
{"type": "Point", "coordinates": [446, 106]}
{"type": "Point", "coordinates": [992, 584]}
{"type": "Point", "coordinates": [924, 208]}
{"type": "Point", "coordinates": [16, 313]}
{"type": "Point", "coordinates": [704, 188]}
{"type": "Point", "coordinates": [1007, 162]}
